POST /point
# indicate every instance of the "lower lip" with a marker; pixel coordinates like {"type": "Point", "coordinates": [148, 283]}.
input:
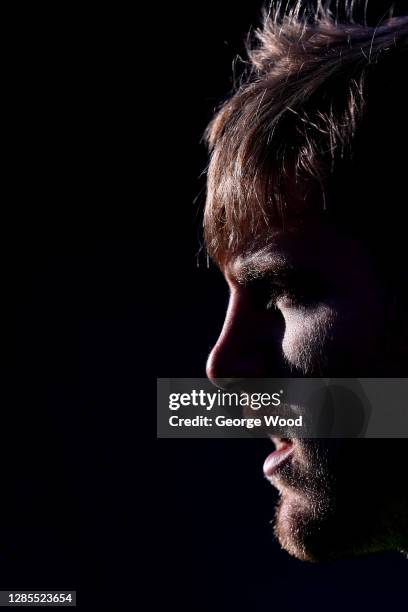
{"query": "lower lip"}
{"type": "Point", "coordinates": [276, 459]}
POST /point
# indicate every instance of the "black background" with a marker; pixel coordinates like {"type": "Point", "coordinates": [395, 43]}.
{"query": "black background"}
{"type": "Point", "coordinates": [105, 286]}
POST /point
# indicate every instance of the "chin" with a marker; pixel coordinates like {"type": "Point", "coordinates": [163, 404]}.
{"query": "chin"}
{"type": "Point", "coordinates": [298, 527]}
{"type": "Point", "coordinates": [314, 531]}
{"type": "Point", "coordinates": [330, 509]}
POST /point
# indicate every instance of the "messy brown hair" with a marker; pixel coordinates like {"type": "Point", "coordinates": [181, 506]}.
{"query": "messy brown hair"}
{"type": "Point", "coordinates": [277, 142]}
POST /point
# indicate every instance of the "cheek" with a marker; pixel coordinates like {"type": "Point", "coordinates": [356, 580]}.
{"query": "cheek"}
{"type": "Point", "coordinates": [307, 331]}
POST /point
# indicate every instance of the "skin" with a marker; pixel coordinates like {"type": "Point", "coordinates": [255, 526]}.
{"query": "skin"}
{"type": "Point", "coordinates": [310, 301]}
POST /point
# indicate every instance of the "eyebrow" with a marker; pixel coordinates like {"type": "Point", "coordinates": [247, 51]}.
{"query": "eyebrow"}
{"type": "Point", "coordinates": [258, 264]}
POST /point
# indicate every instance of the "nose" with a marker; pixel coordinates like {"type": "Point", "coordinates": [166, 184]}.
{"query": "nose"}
{"type": "Point", "coordinates": [250, 343]}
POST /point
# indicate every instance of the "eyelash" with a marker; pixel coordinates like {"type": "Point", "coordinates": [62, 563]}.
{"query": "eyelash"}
{"type": "Point", "coordinates": [295, 292]}
{"type": "Point", "coordinates": [298, 292]}
{"type": "Point", "coordinates": [290, 297]}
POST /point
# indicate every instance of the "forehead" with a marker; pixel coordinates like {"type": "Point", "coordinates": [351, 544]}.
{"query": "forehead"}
{"type": "Point", "coordinates": [285, 233]}
{"type": "Point", "coordinates": [276, 246]}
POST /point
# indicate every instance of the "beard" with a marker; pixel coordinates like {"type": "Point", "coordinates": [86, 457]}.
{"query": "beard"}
{"type": "Point", "coordinates": [341, 498]}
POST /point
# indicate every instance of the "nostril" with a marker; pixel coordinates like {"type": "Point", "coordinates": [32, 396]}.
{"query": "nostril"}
{"type": "Point", "coordinates": [215, 374]}
{"type": "Point", "coordinates": [228, 364]}
{"type": "Point", "coordinates": [222, 363]}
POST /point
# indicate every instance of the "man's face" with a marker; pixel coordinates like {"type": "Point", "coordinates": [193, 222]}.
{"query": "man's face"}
{"type": "Point", "coordinates": [308, 301]}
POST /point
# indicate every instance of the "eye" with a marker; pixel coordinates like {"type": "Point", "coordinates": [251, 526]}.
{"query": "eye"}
{"type": "Point", "coordinates": [291, 289]}
{"type": "Point", "coordinates": [291, 300]}
{"type": "Point", "coordinates": [298, 290]}
{"type": "Point", "coordinates": [275, 293]}
{"type": "Point", "coordinates": [265, 293]}
{"type": "Point", "coordinates": [282, 297]}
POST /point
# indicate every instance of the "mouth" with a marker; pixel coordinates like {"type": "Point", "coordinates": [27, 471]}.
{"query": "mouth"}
{"type": "Point", "coordinates": [284, 448]}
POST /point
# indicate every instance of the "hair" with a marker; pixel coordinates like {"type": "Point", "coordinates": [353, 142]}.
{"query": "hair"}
{"type": "Point", "coordinates": [319, 108]}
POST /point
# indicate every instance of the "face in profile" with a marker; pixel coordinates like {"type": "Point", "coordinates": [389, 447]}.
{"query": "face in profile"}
{"type": "Point", "coordinates": [308, 301]}
{"type": "Point", "coordinates": [308, 296]}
